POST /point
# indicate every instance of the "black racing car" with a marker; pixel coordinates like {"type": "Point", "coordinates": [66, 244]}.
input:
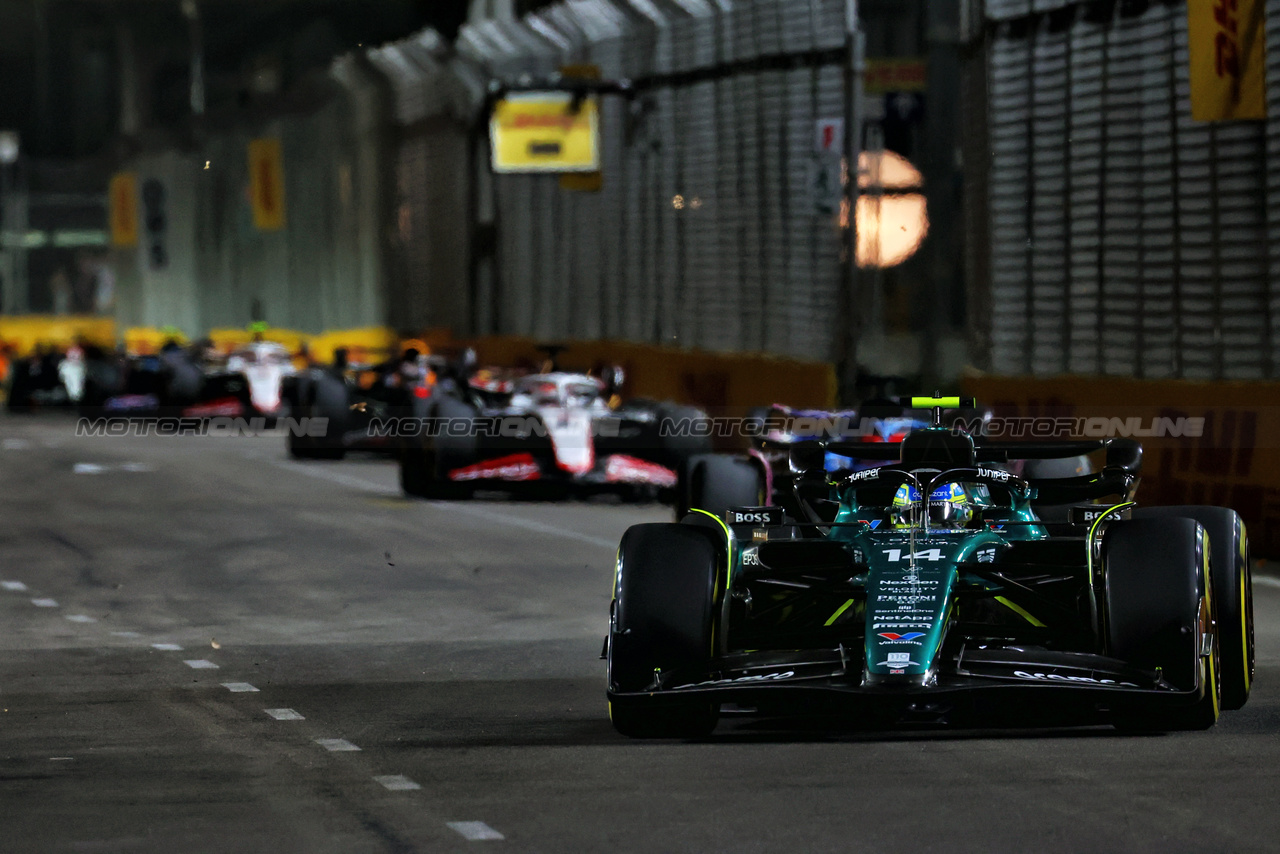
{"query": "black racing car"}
{"type": "Point", "coordinates": [929, 590]}
{"type": "Point", "coordinates": [350, 398]}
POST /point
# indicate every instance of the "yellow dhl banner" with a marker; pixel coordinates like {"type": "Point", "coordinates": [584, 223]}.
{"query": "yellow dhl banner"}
{"type": "Point", "coordinates": [266, 184]}
{"type": "Point", "coordinates": [122, 196]}
{"type": "Point", "coordinates": [545, 132]}
{"type": "Point", "coordinates": [1228, 59]}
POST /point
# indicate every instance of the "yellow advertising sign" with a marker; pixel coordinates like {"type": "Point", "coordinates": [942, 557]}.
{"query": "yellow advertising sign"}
{"type": "Point", "coordinates": [266, 184]}
{"type": "Point", "coordinates": [1228, 59]}
{"type": "Point", "coordinates": [895, 75]}
{"type": "Point", "coordinates": [545, 132]}
{"type": "Point", "coordinates": [122, 195]}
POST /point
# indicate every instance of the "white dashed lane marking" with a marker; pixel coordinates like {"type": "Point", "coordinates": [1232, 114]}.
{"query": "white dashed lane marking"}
{"type": "Point", "coordinates": [16, 444]}
{"type": "Point", "coordinates": [239, 687]}
{"type": "Point", "coordinates": [475, 831]}
{"type": "Point", "coordinates": [336, 745]}
{"type": "Point", "coordinates": [45, 603]}
{"type": "Point", "coordinates": [15, 586]}
{"type": "Point", "coordinates": [397, 783]}
{"type": "Point", "coordinates": [99, 468]}
{"type": "Point", "coordinates": [166, 647]}
{"type": "Point", "coordinates": [81, 618]}
{"type": "Point", "coordinates": [285, 715]}
{"type": "Point", "coordinates": [200, 664]}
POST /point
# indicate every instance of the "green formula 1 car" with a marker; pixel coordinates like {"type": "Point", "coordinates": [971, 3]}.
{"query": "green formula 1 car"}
{"type": "Point", "coordinates": [928, 590]}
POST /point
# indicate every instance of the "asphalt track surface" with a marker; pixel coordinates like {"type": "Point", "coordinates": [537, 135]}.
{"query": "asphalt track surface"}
{"type": "Point", "coordinates": [206, 647]}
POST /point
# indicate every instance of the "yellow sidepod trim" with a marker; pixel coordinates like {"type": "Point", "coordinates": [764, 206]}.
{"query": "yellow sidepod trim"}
{"type": "Point", "coordinates": [838, 612]}
{"type": "Point", "coordinates": [1020, 611]}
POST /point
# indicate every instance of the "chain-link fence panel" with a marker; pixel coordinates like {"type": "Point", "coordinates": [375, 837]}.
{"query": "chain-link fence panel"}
{"type": "Point", "coordinates": [705, 231]}
{"type": "Point", "coordinates": [1126, 239]}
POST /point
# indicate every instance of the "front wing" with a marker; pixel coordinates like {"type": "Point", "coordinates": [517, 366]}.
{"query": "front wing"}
{"type": "Point", "coordinates": [1020, 683]}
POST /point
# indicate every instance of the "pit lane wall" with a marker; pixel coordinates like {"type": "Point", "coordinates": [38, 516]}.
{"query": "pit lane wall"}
{"type": "Point", "coordinates": [1231, 460]}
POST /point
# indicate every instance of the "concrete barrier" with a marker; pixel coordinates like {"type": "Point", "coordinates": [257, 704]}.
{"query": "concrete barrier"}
{"type": "Point", "coordinates": [25, 333]}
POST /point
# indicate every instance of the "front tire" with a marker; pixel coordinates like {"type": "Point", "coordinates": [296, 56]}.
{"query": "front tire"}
{"type": "Point", "coordinates": [1232, 592]}
{"type": "Point", "coordinates": [1160, 615]}
{"type": "Point", "coordinates": [662, 622]}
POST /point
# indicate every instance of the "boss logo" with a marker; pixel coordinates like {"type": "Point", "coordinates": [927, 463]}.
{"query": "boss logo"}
{"type": "Point", "coordinates": [754, 516]}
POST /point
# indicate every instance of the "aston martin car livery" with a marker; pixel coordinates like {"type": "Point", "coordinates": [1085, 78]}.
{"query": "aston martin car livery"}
{"type": "Point", "coordinates": [928, 589]}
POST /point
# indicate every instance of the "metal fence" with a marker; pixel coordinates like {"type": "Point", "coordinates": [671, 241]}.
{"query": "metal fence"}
{"type": "Point", "coordinates": [708, 230]}
{"type": "Point", "coordinates": [1125, 239]}
{"type": "Point", "coordinates": [202, 264]}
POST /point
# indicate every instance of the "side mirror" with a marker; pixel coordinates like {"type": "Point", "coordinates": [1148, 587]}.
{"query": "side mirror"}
{"type": "Point", "coordinates": [807, 457]}
{"type": "Point", "coordinates": [1125, 454]}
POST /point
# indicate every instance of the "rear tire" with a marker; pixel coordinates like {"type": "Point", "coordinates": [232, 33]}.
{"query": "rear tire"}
{"type": "Point", "coordinates": [425, 463]}
{"type": "Point", "coordinates": [1232, 592]}
{"type": "Point", "coordinates": [1160, 608]}
{"type": "Point", "coordinates": [663, 611]}
{"type": "Point", "coordinates": [322, 395]}
{"type": "Point", "coordinates": [718, 482]}
{"type": "Point", "coordinates": [677, 449]}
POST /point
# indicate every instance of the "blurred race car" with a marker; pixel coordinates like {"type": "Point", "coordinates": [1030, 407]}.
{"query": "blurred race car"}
{"type": "Point", "coordinates": [929, 591]}
{"type": "Point", "coordinates": [352, 396]}
{"type": "Point", "coordinates": [547, 432]}
{"type": "Point", "coordinates": [718, 481]}
{"type": "Point", "coordinates": [189, 382]}
{"type": "Point", "coordinates": [47, 378]}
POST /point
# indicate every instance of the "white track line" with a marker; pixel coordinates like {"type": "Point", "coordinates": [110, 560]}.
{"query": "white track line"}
{"type": "Point", "coordinates": [465, 509]}
{"type": "Point", "coordinates": [81, 618]}
{"type": "Point", "coordinates": [1266, 581]}
{"type": "Point", "coordinates": [325, 473]}
{"type": "Point", "coordinates": [397, 783]}
{"type": "Point", "coordinates": [45, 603]}
{"type": "Point", "coordinates": [127, 634]}
{"type": "Point", "coordinates": [285, 715]}
{"type": "Point", "coordinates": [200, 664]}
{"type": "Point", "coordinates": [336, 745]}
{"type": "Point", "coordinates": [166, 647]}
{"type": "Point", "coordinates": [527, 524]}
{"type": "Point", "coordinates": [15, 586]}
{"type": "Point", "coordinates": [239, 687]}
{"type": "Point", "coordinates": [474, 831]}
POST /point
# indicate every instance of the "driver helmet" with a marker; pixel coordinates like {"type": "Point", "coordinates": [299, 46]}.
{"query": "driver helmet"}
{"type": "Point", "coordinates": [948, 507]}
